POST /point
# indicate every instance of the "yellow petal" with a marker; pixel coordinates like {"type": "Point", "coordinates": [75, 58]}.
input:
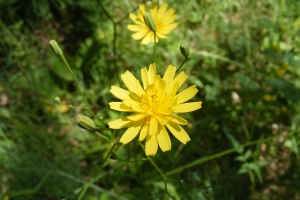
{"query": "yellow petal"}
{"type": "Point", "coordinates": [139, 35]}
{"type": "Point", "coordinates": [164, 139]}
{"type": "Point", "coordinates": [178, 132]}
{"type": "Point", "coordinates": [153, 10]}
{"type": "Point", "coordinates": [120, 123]}
{"type": "Point", "coordinates": [161, 35]}
{"type": "Point", "coordinates": [151, 73]}
{"type": "Point", "coordinates": [133, 105]}
{"type": "Point", "coordinates": [142, 8]}
{"type": "Point", "coordinates": [169, 74]}
{"type": "Point", "coordinates": [119, 92]}
{"type": "Point", "coordinates": [139, 90]}
{"type": "Point", "coordinates": [134, 18]}
{"type": "Point", "coordinates": [162, 9]}
{"type": "Point", "coordinates": [187, 107]}
{"type": "Point", "coordinates": [169, 14]}
{"type": "Point", "coordinates": [162, 119]}
{"type": "Point", "coordinates": [161, 90]}
{"type": "Point", "coordinates": [151, 145]}
{"type": "Point", "coordinates": [131, 132]}
{"type": "Point", "coordinates": [153, 126]}
{"type": "Point", "coordinates": [180, 79]}
{"type": "Point", "coordinates": [129, 80]}
{"type": "Point", "coordinates": [167, 29]}
{"type": "Point", "coordinates": [135, 28]}
{"type": "Point", "coordinates": [147, 38]}
{"type": "Point", "coordinates": [144, 74]}
{"type": "Point", "coordinates": [177, 120]}
{"type": "Point", "coordinates": [120, 106]}
{"type": "Point", "coordinates": [144, 132]}
{"type": "Point", "coordinates": [187, 94]}
{"type": "Point", "coordinates": [137, 117]}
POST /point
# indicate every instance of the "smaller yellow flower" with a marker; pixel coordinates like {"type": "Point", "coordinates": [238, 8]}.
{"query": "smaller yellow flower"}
{"type": "Point", "coordinates": [270, 98]}
{"type": "Point", "coordinates": [163, 19]}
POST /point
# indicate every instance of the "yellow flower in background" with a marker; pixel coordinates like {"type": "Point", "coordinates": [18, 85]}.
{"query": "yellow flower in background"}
{"type": "Point", "coordinates": [270, 98]}
{"type": "Point", "coordinates": [153, 107]}
{"type": "Point", "coordinates": [164, 23]}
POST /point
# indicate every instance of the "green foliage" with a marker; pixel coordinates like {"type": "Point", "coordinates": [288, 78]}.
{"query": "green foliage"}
{"type": "Point", "coordinates": [244, 59]}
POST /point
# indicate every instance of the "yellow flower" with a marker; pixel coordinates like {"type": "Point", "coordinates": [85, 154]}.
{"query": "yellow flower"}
{"type": "Point", "coordinates": [163, 19]}
{"type": "Point", "coordinates": [153, 106]}
{"type": "Point", "coordinates": [270, 98]}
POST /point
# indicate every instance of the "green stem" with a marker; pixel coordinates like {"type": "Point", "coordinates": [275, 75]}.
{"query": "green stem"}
{"type": "Point", "coordinates": [76, 83]}
{"type": "Point", "coordinates": [223, 153]}
{"type": "Point", "coordinates": [110, 152]}
{"type": "Point", "coordinates": [182, 64]}
{"type": "Point", "coordinates": [157, 168]}
{"type": "Point", "coordinates": [155, 47]}
{"type": "Point", "coordinates": [114, 30]}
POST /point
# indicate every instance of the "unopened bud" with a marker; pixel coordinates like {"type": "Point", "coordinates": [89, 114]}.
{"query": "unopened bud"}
{"type": "Point", "coordinates": [85, 122]}
{"type": "Point", "coordinates": [214, 181]}
{"type": "Point", "coordinates": [185, 50]}
{"type": "Point", "coordinates": [57, 99]}
{"type": "Point", "coordinates": [113, 156]}
{"type": "Point", "coordinates": [149, 21]}
{"type": "Point", "coordinates": [55, 47]}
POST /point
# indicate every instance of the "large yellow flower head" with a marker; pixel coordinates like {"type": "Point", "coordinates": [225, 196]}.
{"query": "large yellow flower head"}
{"type": "Point", "coordinates": [164, 23]}
{"type": "Point", "coordinates": [153, 107]}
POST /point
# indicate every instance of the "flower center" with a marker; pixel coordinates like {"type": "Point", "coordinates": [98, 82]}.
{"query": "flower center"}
{"type": "Point", "coordinates": [150, 101]}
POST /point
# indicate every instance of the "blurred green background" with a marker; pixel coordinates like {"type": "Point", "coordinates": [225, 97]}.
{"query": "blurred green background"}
{"type": "Point", "coordinates": [244, 61]}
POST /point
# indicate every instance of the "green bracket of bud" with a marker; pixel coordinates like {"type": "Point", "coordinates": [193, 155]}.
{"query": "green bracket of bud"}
{"type": "Point", "coordinates": [185, 51]}
{"type": "Point", "coordinates": [85, 122]}
{"type": "Point", "coordinates": [55, 47]}
{"type": "Point", "coordinates": [113, 156]}
{"type": "Point", "coordinates": [149, 21]}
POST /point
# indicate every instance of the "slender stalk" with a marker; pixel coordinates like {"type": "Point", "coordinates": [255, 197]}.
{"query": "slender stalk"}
{"type": "Point", "coordinates": [157, 168]}
{"type": "Point", "coordinates": [115, 144]}
{"type": "Point", "coordinates": [223, 153]}
{"type": "Point", "coordinates": [115, 32]}
{"type": "Point", "coordinates": [155, 47]}
{"type": "Point", "coordinates": [182, 64]}
{"type": "Point", "coordinates": [76, 83]}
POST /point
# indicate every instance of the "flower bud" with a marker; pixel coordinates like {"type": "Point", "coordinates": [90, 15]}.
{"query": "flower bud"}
{"type": "Point", "coordinates": [149, 21]}
{"type": "Point", "coordinates": [55, 47]}
{"type": "Point", "coordinates": [85, 122]}
{"type": "Point", "coordinates": [113, 156]}
{"type": "Point", "coordinates": [185, 51]}
{"type": "Point", "coordinates": [57, 99]}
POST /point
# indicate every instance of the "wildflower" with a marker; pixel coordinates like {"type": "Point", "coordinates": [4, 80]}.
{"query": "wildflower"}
{"type": "Point", "coordinates": [270, 98]}
{"type": "Point", "coordinates": [153, 106]}
{"type": "Point", "coordinates": [163, 19]}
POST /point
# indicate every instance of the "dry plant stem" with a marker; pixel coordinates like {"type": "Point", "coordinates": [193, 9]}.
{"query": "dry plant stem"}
{"type": "Point", "coordinates": [76, 83]}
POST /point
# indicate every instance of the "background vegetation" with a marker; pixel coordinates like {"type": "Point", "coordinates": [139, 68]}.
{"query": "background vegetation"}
{"type": "Point", "coordinates": [245, 63]}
